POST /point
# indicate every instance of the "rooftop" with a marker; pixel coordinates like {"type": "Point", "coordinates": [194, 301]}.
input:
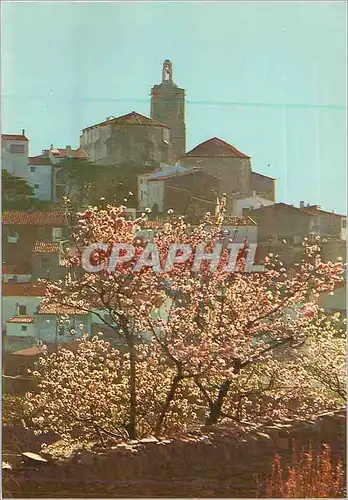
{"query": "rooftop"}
{"type": "Point", "coordinates": [13, 137]}
{"type": "Point", "coordinates": [60, 310]}
{"type": "Point", "coordinates": [40, 160]}
{"type": "Point", "coordinates": [23, 290]}
{"type": "Point", "coordinates": [167, 171]}
{"type": "Point", "coordinates": [35, 218]}
{"type": "Point", "coordinates": [30, 351]}
{"type": "Point", "coordinates": [132, 118]}
{"type": "Point", "coordinates": [15, 269]}
{"type": "Point", "coordinates": [216, 147]}
{"type": "Point", "coordinates": [256, 174]}
{"type": "Point", "coordinates": [20, 319]}
{"type": "Point", "coordinates": [78, 154]}
{"type": "Point", "coordinates": [315, 210]}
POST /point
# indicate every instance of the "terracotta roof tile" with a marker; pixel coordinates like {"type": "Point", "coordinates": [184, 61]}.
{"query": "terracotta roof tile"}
{"type": "Point", "coordinates": [216, 147]}
{"type": "Point", "coordinates": [23, 290]}
{"type": "Point", "coordinates": [132, 118]}
{"type": "Point", "coordinates": [40, 160]}
{"type": "Point", "coordinates": [317, 211]}
{"type": "Point", "coordinates": [20, 319]}
{"type": "Point", "coordinates": [30, 351]}
{"type": "Point", "coordinates": [15, 269]}
{"type": "Point", "coordinates": [277, 206]}
{"type": "Point", "coordinates": [13, 137]}
{"type": "Point", "coordinates": [73, 153]}
{"type": "Point", "coordinates": [35, 218]}
{"type": "Point", "coordinates": [46, 247]}
{"type": "Point", "coordinates": [57, 309]}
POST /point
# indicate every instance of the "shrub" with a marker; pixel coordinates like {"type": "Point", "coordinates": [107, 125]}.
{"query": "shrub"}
{"type": "Point", "coordinates": [309, 476]}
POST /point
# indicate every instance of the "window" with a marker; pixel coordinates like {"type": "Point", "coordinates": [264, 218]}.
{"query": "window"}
{"type": "Point", "coordinates": [24, 328]}
{"type": "Point", "coordinates": [32, 169]}
{"type": "Point", "coordinates": [344, 223]}
{"type": "Point", "coordinates": [166, 136]}
{"type": "Point", "coordinates": [17, 148]}
{"type": "Point", "coordinates": [13, 237]}
{"type": "Point", "coordinates": [56, 233]}
{"type": "Point", "coordinates": [22, 310]}
{"type": "Point", "coordinates": [13, 279]}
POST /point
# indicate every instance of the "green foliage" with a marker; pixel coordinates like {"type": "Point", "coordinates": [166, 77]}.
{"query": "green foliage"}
{"type": "Point", "coordinates": [16, 192]}
{"type": "Point", "coordinates": [88, 182]}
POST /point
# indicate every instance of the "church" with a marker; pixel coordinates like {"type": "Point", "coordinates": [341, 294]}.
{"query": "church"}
{"type": "Point", "coordinates": [161, 140]}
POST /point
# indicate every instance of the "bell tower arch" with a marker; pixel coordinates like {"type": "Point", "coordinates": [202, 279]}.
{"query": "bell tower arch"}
{"type": "Point", "coordinates": [168, 107]}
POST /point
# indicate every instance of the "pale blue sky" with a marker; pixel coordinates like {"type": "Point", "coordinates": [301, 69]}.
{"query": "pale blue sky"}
{"type": "Point", "coordinates": [268, 77]}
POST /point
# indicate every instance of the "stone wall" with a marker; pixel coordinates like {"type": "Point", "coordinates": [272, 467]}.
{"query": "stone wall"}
{"type": "Point", "coordinates": [235, 173]}
{"type": "Point", "coordinates": [227, 461]}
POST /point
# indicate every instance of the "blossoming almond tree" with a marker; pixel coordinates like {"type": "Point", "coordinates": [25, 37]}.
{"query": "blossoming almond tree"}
{"type": "Point", "coordinates": [215, 325]}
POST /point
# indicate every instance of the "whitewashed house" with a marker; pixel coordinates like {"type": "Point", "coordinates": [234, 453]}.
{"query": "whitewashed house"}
{"type": "Point", "coordinates": [152, 193]}
{"type": "Point", "coordinates": [20, 300]}
{"type": "Point", "coordinates": [251, 203]}
{"type": "Point", "coordinates": [13, 273]}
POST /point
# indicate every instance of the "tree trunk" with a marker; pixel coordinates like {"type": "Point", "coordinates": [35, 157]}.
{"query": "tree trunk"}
{"type": "Point", "coordinates": [216, 408]}
{"type": "Point", "coordinates": [169, 399]}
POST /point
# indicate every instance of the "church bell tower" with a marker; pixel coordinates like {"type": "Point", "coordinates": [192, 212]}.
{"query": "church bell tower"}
{"type": "Point", "coordinates": [168, 107]}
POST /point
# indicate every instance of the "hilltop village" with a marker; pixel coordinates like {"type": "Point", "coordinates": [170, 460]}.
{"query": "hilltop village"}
{"type": "Point", "coordinates": [145, 161]}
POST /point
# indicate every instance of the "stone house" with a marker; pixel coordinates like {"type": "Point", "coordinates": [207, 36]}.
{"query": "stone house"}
{"type": "Point", "coordinates": [217, 157]}
{"type": "Point", "coordinates": [192, 192]}
{"type": "Point", "coordinates": [263, 185]}
{"type": "Point", "coordinates": [223, 160]}
{"type": "Point", "coordinates": [47, 260]}
{"type": "Point", "coordinates": [21, 229]}
{"type": "Point", "coordinates": [281, 221]}
{"type": "Point", "coordinates": [129, 138]}
{"type": "Point", "coordinates": [326, 223]}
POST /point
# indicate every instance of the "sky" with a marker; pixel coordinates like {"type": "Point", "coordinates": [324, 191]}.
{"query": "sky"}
{"type": "Point", "coordinates": [267, 77]}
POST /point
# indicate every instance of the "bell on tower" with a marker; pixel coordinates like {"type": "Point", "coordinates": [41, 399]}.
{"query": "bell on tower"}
{"type": "Point", "coordinates": [167, 72]}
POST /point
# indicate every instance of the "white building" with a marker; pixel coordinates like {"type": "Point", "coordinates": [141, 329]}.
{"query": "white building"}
{"type": "Point", "coordinates": [14, 154]}
{"type": "Point", "coordinates": [250, 203]}
{"type": "Point", "coordinates": [39, 171]}
{"type": "Point", "coordinates": [20, 299]}
{"type": "Point", "coordinates": [21, 326]}
{"type": "Point", "coordinates": [238, 229]}
{"type": "Point", "coordinates": [13, 273]}
{"type": "Point", "coordinates": [152, 193]}
{"type": "Point", "coordinates": [23, 316]}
